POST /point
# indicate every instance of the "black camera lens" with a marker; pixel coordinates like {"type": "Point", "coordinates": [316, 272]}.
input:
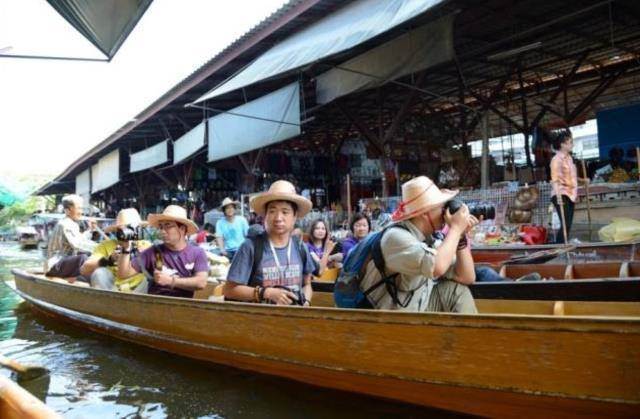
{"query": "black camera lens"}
{"type": "Point", "coordinates": [127, 233]}
{"type": "Point", "coordinates": [453, 205]}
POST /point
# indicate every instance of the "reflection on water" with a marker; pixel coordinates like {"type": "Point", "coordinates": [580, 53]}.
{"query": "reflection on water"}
{"type": "Point", "coordinates": [94, 376]}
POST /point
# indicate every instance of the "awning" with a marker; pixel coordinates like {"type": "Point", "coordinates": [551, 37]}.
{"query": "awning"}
{"type": "Point", "coordinates": [83, 183]}
{"type": "Point", "coordinates": [149, 157]}
{"type": "Point", "coordinates": [413, 51]}
{"type": "Point", "coordinates": [264, 121]}
{"type": "Point", "coordinates": [105, 23]}
{"type": "Point", "coordinates": [189, 143]}
{"type": "Point", "coordinates": [344, 29]}
{"type": "Point", "coordinates": [106, 172]}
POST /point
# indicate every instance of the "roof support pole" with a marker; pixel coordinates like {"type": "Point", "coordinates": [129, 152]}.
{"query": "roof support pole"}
{"type": "Point", "coordinates": [364, 130]}
{"type": "Point", "coordinates": [525, 117]}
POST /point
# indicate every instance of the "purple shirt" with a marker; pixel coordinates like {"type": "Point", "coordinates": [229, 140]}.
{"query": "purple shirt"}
{"type": "Point", "coordinates": [348, 244]}
{"type": "Point", "coordinates": [318, 251]}
{"type": "Point", "coordinates": [185, 263]}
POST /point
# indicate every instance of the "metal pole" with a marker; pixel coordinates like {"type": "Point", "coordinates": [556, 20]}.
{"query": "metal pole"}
{"type": "Point", "coordinates": [484, 182]}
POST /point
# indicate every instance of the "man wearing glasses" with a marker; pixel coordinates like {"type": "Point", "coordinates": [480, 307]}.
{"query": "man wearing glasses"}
{"type": "Point", "coordinates": [174, 268]}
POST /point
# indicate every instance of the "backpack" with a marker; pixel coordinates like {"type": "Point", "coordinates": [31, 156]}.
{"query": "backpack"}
{"type": "Point", "coordinates": [347, 292]}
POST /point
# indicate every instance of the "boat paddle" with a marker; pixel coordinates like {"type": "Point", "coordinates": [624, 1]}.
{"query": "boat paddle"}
{"type": "Point", "coordinates": [24, 371]}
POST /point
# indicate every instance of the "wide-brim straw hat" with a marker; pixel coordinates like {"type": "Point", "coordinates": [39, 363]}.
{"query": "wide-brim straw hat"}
{"type": "Point", "coordinates": [126, 217]}
{"type": "Point", "coordinates": [229, 201]}
{"type": "Point", "coordinates": [173, 213]}
{"type": "Point", "coordinates": [420, 195]}
{"type": "Point", "coordinates": [281, 190]}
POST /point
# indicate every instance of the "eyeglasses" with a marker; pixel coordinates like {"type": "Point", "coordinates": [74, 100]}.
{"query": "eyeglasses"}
{"type": "Point", "coordinates": [166, 226]}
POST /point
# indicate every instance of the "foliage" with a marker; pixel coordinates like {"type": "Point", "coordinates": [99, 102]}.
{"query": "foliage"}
{"type": "Point", "coordinates": [18, 213]}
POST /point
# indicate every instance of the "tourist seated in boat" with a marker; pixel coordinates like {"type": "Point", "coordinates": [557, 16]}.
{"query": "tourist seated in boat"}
{"type": "Point", "coordinates": [273, 267]}
{"type": "Point", "coordinates": [428, 279]}
{"type": "Point", "coordinates": [360, 227]}
{"type": "Point", "coordinates": [101, 268]}
{"type": "Point", "coordinates": [321, 246]}
{"type": "Point", "coordinates": [174, 268]}
{"type": "Point", "coordinates": [231, 230]}
{"type": "Point", "coordinates": [68, 247]}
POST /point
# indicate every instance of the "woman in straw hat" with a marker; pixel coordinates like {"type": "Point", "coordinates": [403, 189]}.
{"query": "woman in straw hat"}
{"type": "Point", "coordinates": [174, 268]}
{"type": "Point", "coordinates": [230, 230]}
{"type": "Point", "coordinates": [101, 266]}
{"type": "Point", "coordinates": [427, 279]}
{"type": "Point", "coordinates": [273, 267]}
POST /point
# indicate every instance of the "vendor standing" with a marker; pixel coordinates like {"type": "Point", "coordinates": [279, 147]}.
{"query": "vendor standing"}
{"type": "Point", "coordinates": [564, 178]}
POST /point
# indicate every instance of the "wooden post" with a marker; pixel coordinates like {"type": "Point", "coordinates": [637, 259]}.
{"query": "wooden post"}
{"type": "Point", "coordinates": [562, 218]}
{"type": "Point", "coordinates": [586, 188]}
{"type": "Point", "coordinates": [348, 197]}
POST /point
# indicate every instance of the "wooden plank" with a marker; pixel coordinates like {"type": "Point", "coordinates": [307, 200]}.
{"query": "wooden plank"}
{"type": "Point", "coordinates": [18, 403]}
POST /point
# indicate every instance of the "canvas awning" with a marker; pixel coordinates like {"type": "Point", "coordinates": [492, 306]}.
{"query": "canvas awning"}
{"type": "Point", "coordinates": [413, 51]}
{"type": "Point", "coordinates": [149, 157]}
{"type": "Point", "coordinates": [105, 23]}
{"type": "Point", "coordinates": [256, 124]}
{"type": "Point", "coordinates": [83, 183]}
{"type": "Point", "coordinates": [344, 29]}
{"type": "Point", "coordinates": [106, 172]}
{"type": "Point", "coordinates": [189, 143]}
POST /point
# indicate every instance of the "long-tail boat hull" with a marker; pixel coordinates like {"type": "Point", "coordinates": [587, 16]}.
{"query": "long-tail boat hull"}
{"type": "Point", "coordinates": [486, 364]}
{"type": "Point", "coordinates": [629, 251]}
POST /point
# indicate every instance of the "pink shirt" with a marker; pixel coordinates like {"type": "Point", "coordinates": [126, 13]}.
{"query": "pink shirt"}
{"type": "Point", "coordinates": [564, 176]}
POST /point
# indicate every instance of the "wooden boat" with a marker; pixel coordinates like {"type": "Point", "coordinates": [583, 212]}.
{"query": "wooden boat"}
{"type": "Point", "coordinates": [602, 281]}
{"type": "Point", "coordinates": [582, 252]}
{"type": "Point", "coordinates": [18, 403]}
{"type": "Point", "coordinates": [28, 237]}
{"type": "Point", "coordinates": [582, 361]}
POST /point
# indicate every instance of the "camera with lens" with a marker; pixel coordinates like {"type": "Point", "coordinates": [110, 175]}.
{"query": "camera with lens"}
{"type": "Point", "coordinates": [480, 209]}
{"type": "Point", "coordinates": [128, 233]}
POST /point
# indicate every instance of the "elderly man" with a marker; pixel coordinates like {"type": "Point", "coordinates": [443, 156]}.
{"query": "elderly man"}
{"type": "Point", "coordinates": [175, 268]}
{"type": "Point", "coordinates": [101, 266]}
{"type": "Point", "coordinates": [273, 267]}
{"type": "Point", "coordinates": [66, 240]}
{"type": "Point", "coordinates": [230, 230]}
{"type": "Point", "coordinates": [425, 278]}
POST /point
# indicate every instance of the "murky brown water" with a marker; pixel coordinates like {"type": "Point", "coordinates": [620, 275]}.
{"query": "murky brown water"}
{"type": "Point", "coordinates": [93, 376]}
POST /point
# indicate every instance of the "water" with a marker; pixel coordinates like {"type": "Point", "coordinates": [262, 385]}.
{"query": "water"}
{"type": "Point", "coordinates": [95, 376]}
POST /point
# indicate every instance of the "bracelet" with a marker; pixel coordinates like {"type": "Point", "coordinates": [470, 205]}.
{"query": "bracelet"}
{"type": "Point", "coordinates": [125, 252]}
{"type": "Point", "coordinates": [261, 294]}
{"type": "Point", "coordinates": [256, 294]}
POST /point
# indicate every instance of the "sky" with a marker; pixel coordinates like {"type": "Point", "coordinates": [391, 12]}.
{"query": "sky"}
{"type": "Point", "coordinates": [52, 112]}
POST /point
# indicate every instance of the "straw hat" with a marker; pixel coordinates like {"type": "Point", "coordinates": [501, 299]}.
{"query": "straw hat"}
{"type": "Point", "coordinates": [229, 201]}
{"type": "Point", "coordinates": [126, 217]}
{"type": "Point", "coordinates": [174, 213]}
{"type": "Point", "coordinates": [281, 190]}
{"type": "Point", "coordinates": [420, 195]}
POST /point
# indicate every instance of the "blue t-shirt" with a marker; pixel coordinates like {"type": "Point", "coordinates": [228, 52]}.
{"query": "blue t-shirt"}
{"type": "Point", "coordinates": [289, 275]}
{"type": "Point", "coordinates": [232, 233]}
